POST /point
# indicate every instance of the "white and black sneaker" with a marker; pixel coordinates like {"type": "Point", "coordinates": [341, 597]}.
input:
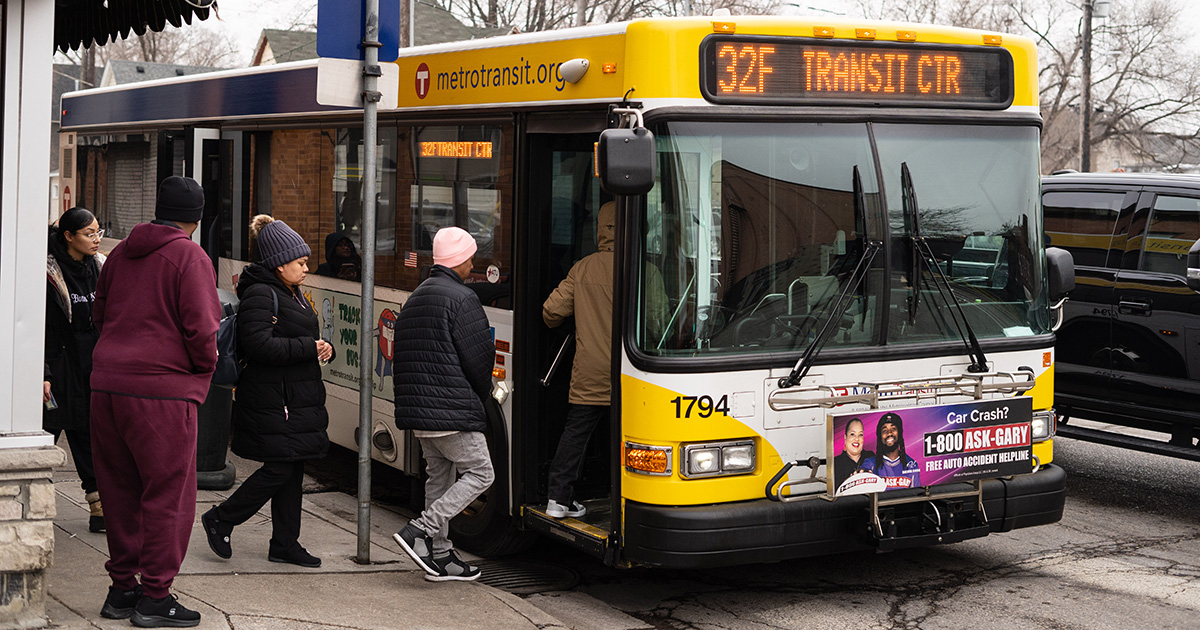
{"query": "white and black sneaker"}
{"type": "Point", "coordinates": [418, 545]}
{"type": "Point", "coordinates": [450, 568]}
{"type": "Point", "coordinates": [556, 510]}
{"type": "Point", "coordinates": [165, 612]}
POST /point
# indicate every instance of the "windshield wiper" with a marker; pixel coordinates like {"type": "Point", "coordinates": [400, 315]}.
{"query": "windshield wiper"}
{"type": "Point", "coordinates": [922, 253]}
{"type": "Point", "coordinates": [912, 225]}
{"type": "Point", "coordinates": [844, 298]}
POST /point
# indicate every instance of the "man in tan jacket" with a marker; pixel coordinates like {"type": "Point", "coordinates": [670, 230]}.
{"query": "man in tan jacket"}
{"type": "Point", "coordinates": [587, 294]}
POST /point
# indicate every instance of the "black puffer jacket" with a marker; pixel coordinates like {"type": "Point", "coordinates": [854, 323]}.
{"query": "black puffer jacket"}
{"type": "Point", "coordinates": [70, 335]}
{"type": "Point", "coordinates": [279, 413]}
{"type": "Point", "coordinates": [444, 356]}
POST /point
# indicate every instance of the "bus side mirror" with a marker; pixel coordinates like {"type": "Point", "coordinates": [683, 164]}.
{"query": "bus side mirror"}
{"type": "Point", "coordinates": [1061, 269]}
{"type": "Point", "coordinates": [1193, 267]}
{"type": "Point", "coordinates": [625, 161]}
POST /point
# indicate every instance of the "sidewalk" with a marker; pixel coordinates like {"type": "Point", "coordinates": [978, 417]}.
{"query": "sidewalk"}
{"type": "Point", "coordinates": [249, 593]}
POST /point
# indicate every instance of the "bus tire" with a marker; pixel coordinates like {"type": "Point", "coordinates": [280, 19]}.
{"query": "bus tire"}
{"type": "Point", "coordinates": [488, 527]}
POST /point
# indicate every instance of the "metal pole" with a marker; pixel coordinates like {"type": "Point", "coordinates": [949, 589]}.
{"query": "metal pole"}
{"type": "Point", "coordinates": [1085, 132]}
{"type": "Point", "coordinates": [366, 340]}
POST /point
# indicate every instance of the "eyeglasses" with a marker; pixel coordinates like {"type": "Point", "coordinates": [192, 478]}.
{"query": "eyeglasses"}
{"type": "Point", "coordinates": [95, 238]}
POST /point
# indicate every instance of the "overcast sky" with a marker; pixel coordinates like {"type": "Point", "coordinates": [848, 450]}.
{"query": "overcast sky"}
{"type": "Point", "coordinates": [244, 20]}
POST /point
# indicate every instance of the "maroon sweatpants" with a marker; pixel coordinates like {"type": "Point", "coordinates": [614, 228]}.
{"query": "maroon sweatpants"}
{"type": "Point", "coordinates": [144, 450]}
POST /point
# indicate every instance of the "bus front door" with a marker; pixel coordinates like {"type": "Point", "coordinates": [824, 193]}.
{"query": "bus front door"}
{"type": "Point", "coordinates": [562, 200]}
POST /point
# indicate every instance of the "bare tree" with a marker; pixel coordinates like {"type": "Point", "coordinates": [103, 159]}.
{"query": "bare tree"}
{"type": "Point", "coordinates": [982, 14]}
{"type": "Point", "coordinates": [1145, 89]}
{"type": "Point", "coordinates": [190, 46]}
{"type": "Point", "coordinates": [543, 15]}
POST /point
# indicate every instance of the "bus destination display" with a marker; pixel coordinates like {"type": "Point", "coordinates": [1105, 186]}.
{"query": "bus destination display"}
{"type": "Point", "coordinates": [787, 71]}
{"type": "Point", "coordinates": [457, 149]}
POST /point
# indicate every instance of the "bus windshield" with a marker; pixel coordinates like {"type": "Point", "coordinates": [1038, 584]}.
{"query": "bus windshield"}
{"type": "Point", "coordinates": [754, 229]}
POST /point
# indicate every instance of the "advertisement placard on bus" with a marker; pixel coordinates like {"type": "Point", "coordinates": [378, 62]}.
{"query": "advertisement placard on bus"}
{"type": "Point", "coordinates": [896, 449]}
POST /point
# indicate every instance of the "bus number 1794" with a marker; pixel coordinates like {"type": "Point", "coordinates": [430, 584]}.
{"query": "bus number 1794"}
{"type": "Point", "coordinates": [703, 405]}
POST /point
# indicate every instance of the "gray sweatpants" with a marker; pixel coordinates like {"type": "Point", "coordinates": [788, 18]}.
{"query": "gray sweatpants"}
{"type": "Point", "coordinates": [460, 469]}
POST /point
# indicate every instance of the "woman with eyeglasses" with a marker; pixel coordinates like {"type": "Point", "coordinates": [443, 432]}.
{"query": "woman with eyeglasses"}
{"type": "Point", "coordinates": [72, 268]}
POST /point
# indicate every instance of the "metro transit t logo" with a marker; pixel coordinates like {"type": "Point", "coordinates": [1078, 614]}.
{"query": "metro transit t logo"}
{"type": "Point", "coordinates": [422, 80]}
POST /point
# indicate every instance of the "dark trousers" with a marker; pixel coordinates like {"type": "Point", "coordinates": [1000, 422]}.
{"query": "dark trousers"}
{"type": "Point", "coordinates": [144, 450]}
{"type": "Point", "coordinates": [279, 483]}
{"type": "Point", "coordinates": [80, 443]}
{"type": "Point", "coordinates": [568, 459]}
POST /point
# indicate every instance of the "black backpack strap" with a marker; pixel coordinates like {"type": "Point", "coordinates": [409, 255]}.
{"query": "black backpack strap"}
{"type": "Point", "coordinates": [274, 308]}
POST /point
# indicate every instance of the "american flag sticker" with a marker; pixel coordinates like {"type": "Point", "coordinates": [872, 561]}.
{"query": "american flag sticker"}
{"type": "Point", "coordinates": [410, 260]}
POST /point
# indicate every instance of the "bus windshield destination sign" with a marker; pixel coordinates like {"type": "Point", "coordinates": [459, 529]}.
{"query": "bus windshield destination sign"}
{"type": "Point", "coordinates": [786, 71]}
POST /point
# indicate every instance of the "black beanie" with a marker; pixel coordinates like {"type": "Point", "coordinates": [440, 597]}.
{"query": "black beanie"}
{"type": "Point", "coordinates": [278, 244]}
{"type": "Point", "coordinates": [179, 199]}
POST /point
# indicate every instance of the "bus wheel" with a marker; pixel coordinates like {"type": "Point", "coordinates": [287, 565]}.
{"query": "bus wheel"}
{"type": "Point", "coordinates": [488, 527]}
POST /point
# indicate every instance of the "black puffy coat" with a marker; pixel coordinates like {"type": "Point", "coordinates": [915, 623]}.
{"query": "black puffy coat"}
{"type": "Point", "coordinates": [70, 335]}
{"type": "Point", "coordinates": [279, 410]}
{"type": "Point", "coordinates": [444, 356]}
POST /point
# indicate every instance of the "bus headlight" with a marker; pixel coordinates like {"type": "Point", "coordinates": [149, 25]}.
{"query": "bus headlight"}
{"type": "Point", "coordinates": [737, 458]}
{"type": "Point", "coordinates": [647, 460]}
{"type": "Point", "coordinates": [714, 459]}
{"type": "Point", "coordinates": [1042, 425]}
{"type": "Point", "coordinates": [703, 461]}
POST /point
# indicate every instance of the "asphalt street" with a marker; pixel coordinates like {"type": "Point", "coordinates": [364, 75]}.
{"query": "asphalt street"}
{"type": "Point", "coordinates": [1125, 555]}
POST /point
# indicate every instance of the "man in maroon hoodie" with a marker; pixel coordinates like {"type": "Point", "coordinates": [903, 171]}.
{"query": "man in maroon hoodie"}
{"type": "Point", "coordinates": [157, 310]}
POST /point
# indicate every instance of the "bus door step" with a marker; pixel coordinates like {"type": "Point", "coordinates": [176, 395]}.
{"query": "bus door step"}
{"type": "Point", "coordinates": [576, 533]}
{"type": "Point", "coordinates": [921, 521]}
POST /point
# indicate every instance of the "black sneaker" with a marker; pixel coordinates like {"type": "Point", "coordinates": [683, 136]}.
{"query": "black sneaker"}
{"type": "Point", "coordinates": [217, 534]}
{"type": "Point", "coordinates": [95, 524]}
{"type": "Point", "coordinates": [298, 556]}
{"type": "Point", "coordinates": [418, 545]}
{"type": "Point", "coordinates": [453, 568]}
{"type": "Point", "coordinates": [166, 612]}
{"type": "Point", "coordinates": [119, 604]}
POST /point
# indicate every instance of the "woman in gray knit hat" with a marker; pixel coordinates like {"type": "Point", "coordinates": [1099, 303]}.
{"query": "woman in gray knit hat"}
{"type": "Point", "coordinates": [279, 415]}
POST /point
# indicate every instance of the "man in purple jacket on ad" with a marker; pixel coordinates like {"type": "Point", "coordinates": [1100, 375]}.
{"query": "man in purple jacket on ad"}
{"type": "Point", "coordinates": [891, 461]}
{"type": "Point", "coordinates": [157, 311]}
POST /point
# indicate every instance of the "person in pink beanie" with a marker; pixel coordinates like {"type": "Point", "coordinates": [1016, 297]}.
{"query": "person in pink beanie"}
{"type": "Point", "coordinates": [444, 353]}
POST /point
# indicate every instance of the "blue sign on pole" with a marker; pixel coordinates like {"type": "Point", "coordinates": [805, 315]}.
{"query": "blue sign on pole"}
{"type": "Point", "coordinates": [341, 26]}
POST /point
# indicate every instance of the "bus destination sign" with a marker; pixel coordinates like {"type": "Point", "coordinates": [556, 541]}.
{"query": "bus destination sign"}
{"type": "Point", "coordinates": [457, 149]}
{"type": "Point", "coordinates": [779, 71]}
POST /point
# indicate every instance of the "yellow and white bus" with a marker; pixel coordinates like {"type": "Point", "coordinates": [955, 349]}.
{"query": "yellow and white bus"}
{"type": "Point", "coordinates": [836, 218]}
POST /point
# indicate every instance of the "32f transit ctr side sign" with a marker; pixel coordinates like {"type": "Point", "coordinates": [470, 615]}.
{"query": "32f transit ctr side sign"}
{"type": "Point", "coordinates": [512, 74]}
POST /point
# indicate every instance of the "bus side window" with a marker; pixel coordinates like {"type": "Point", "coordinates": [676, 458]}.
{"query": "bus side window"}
{"type": "Point", "coordinates": [457, 176]}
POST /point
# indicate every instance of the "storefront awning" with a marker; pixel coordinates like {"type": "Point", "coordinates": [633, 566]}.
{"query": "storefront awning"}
{"type": "Point", "coordinates": [81, 22]}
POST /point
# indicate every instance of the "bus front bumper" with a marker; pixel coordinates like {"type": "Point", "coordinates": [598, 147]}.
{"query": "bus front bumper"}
{"type": "Point", "coordinates": [687, 537]}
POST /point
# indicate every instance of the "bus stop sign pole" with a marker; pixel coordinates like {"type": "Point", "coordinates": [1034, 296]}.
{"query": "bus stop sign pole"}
{"type": "Point", "coordinates": [366, 340]}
